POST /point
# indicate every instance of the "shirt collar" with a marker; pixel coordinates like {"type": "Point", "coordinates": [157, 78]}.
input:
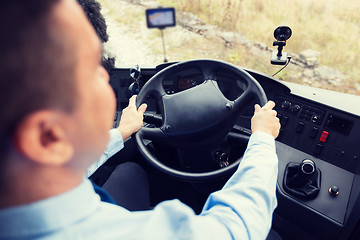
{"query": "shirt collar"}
{"type": "Point", "coordinates": [49, 214]}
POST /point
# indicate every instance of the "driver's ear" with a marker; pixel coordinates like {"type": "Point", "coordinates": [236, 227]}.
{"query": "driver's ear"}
{"type": "Point", "coordinates": [41, 137]}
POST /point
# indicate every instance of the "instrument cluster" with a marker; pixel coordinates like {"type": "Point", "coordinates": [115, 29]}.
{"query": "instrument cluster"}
{"type": "Point", "coordinates": [183, 80]}
{"type": "Point", "coordinates": [189, 78]}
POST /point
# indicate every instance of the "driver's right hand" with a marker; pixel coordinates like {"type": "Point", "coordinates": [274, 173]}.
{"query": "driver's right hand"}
{"type": "Point", "coordinates": [265, 120]}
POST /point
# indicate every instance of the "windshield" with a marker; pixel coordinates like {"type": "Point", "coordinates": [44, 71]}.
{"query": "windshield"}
{"type": "Point", "coordinates": [323, 46]}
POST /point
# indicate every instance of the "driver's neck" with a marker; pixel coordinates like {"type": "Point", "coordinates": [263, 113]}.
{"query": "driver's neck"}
{"type": "Point", "coordinates": [21, 184]}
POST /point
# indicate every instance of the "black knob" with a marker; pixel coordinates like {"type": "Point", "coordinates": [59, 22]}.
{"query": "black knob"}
{"type": "Point", "coordinates": [224, 157]}
{"type": "Point", "coordinates": [307, 167]}
{"type": "Point", "coordinates": [295, 108]}
{"type": "Point", "coordinates": [334, 191]}
{"type": "Point", "coordinates": [286, 105]}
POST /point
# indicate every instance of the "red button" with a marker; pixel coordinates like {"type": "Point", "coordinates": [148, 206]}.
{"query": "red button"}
{"type": "Point", "coordinates": [324, 136]}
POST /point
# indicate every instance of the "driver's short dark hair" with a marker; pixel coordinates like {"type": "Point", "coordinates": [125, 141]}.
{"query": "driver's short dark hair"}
{"type": "Point", "coordinates": [36, 69]}
{"type": "Point", "coordinates": [92, 9]}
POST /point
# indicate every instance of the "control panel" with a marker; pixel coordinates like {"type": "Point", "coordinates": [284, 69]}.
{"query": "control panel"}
{"type": "Point", "coordinates": [318, 131]}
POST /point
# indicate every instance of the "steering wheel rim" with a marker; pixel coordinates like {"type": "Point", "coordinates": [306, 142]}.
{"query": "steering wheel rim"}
{"type": "Point", "coordinates": [171, 128]}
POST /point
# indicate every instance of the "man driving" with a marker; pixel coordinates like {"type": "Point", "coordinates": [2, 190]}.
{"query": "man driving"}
{"type": "Point", "coordinates": [57, 107]}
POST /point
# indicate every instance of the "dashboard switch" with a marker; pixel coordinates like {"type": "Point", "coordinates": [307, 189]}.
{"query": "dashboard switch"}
{"type": "Point", "coordinates": [281, 132]}
{"type": "Point", "coordinates": [318, 148]}
{"type": "Point", "coordinates": [300, 127]}
{"type": "Point", "coordinates": [314, 132]}
{"type": "Point", "coordinates": [324, 136]}
{"type": "Point", "coordinates": [283, 120]}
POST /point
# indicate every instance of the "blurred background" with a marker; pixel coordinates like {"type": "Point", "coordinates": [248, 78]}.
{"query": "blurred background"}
{"type": "Point", "coordinates": [324, 45]}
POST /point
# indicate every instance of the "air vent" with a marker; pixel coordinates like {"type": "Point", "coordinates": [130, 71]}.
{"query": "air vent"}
{"type": "Point", "coordinates": [339, 124]}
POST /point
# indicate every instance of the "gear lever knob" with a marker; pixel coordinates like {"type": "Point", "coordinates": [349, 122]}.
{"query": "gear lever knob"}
{"type": "Point", "coordinates": [302, 179]}
{"type": "Point", "coordinates": [307, 167]}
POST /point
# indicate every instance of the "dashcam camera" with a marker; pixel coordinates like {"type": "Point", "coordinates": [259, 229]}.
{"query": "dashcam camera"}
{"type": "Point", "coordinates": [281, 34]}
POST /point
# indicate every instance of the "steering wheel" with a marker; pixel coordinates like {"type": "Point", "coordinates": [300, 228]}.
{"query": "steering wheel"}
{"type": "Point", "coordinates": [197, 117]}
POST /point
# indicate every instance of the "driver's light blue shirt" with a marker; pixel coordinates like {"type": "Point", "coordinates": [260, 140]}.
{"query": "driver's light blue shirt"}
{"type": "Point", "coordinates": [241, 210]}
{"type": "Point", "coordinates": [114, 145]}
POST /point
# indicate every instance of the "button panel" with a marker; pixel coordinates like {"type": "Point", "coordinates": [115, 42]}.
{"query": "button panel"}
{"type": "Point", "coordinates": [318, 131]}
{"type": "Point", "coordinates": [302, 111]}
{"type": "Point", "coordinates": [311, 114]}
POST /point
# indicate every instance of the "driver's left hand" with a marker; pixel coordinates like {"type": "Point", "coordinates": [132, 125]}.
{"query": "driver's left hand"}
{"type": "Point", "coordinates": [131, 118]}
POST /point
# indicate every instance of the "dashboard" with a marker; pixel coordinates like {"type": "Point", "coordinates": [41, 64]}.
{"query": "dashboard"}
{"type": "Point", "coordinates": [310, 129]}
{"type": "Point", "coordinates": [327, 136]}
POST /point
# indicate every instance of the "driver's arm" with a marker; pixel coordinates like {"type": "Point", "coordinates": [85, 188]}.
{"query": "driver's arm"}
{"type": "Point", "coordinates": [130, 122]}
{"type": "Point", "coordinates": [248, 199]}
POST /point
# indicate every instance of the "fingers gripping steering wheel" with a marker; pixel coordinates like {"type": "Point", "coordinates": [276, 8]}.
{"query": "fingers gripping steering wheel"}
{"type": "Point", "coordinates": [199, 116]}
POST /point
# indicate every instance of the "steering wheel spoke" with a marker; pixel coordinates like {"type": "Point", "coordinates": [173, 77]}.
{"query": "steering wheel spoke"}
{"type": "Point", "coordinates": [208, 69]}
{"type": "Point", "coordinates": [154, 134]}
